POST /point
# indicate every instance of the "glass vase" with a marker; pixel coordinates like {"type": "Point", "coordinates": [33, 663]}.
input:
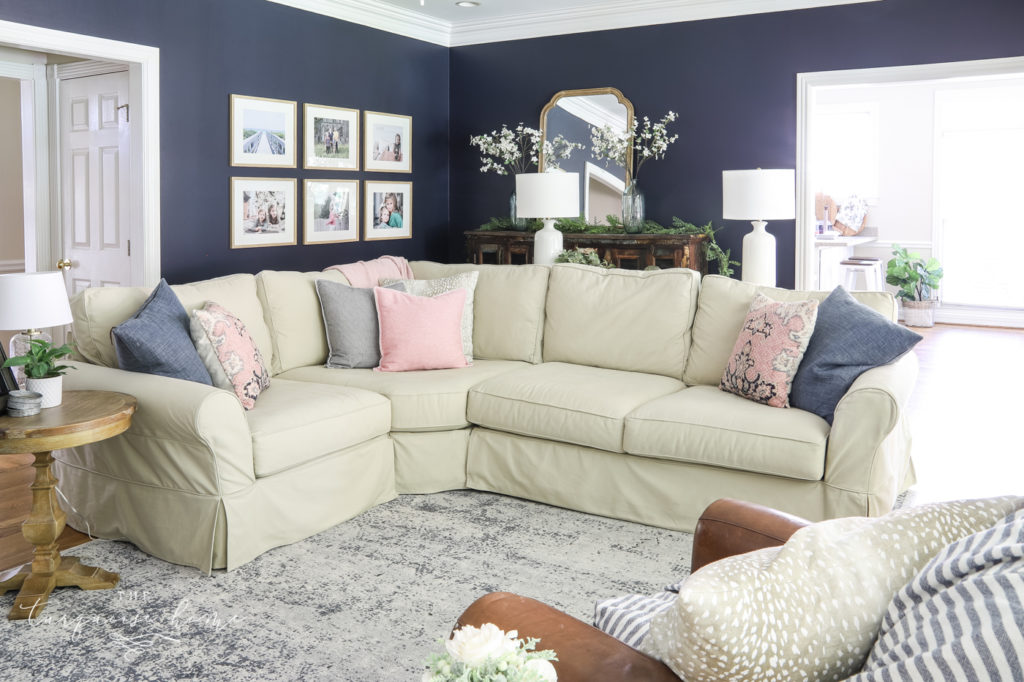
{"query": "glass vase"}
{"type": "Point", "coordinates": [518, 224]}
{"type": "Point", "coordinates": [633, 209]}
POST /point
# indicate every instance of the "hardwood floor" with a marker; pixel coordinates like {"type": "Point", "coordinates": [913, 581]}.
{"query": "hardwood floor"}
{"type": "Point", "coordinates": [965, 414]}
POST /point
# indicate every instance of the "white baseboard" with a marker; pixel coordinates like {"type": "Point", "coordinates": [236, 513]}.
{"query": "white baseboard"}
{"type": "Point", "coordinates": [982, 317]}
{"type": "Point", "coordinates": [12, 266]}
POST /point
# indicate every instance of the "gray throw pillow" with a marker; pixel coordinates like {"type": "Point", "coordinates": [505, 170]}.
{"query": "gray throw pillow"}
{"type": "Point", "coordinates": [350, 318]}
{"type": "Point", "coordinates": [156, 340]}
{"type": "Point", "coordinates": [849, 339]}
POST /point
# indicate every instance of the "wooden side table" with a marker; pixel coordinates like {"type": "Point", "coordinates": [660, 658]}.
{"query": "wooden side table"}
{"type": "Point", "coordinates": [83, 417]}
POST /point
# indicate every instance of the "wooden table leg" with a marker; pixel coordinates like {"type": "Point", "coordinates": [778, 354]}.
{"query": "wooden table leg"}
{"type": "Point", "coordinates": [48, 568]}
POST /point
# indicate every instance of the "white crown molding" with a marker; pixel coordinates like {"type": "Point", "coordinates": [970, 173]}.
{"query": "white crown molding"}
{"type": "Point", "coordinates": [595, 115]}
{"type": "Point", "coordinates": [597, 16]}
{"type": "Point", "coordinates": [380, 15]}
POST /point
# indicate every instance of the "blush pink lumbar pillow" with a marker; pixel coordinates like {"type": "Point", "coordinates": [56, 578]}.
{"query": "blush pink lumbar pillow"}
{"type": "Point", "coordinates": [229, 353]}
{"type": "Point", "coordinates": [418, 332]}
{"type": "Point", "coordinates": [769, 349]}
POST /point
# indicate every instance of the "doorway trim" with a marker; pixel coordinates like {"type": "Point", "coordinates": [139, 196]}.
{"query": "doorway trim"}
{"type": "Point", "coordinates": [144, 100]}
{"type": "Point", "coordinates": [805, 85]}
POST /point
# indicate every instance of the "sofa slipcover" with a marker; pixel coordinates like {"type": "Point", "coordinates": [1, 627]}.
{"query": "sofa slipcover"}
{"type": "Point", "coordinates": [704, 425]}
{"type": "Point", "coordinates": [566, 403]}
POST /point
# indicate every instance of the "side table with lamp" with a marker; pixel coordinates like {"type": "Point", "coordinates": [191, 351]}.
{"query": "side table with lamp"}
{"type": "Point", "coordinates": [547, 196]}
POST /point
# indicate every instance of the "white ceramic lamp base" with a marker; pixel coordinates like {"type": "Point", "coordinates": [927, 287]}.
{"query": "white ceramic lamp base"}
{"type": "Point", "coordinates": [547, 244]}
{"type": "Point", "coordinates": [759, 255]}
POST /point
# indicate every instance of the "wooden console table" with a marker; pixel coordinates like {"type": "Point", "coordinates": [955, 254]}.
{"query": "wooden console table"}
{"type": "Point", "coordinates": [83, 417]}
{"type": "Point", "coordinates": [631, 251]}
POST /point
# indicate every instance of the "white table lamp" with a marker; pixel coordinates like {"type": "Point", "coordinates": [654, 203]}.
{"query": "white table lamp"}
{"type": "Point", "coordinates": [757, 196]}
{"type": "Point", "coordinates": [547, 196]}
{"type": "Point", "coordinates": [30, 302]}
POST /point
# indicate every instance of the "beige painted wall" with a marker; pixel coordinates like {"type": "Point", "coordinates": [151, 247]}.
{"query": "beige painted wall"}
{"type": "Point", "coordinates": [12, 228]}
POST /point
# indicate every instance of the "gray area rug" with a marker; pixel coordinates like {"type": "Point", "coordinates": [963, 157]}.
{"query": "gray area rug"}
{"type": "Point", "coordinates": [366, 600]}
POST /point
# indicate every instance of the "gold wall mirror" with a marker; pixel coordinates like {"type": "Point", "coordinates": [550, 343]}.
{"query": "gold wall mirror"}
{"type": "Point", "coordinates": [571, 113]}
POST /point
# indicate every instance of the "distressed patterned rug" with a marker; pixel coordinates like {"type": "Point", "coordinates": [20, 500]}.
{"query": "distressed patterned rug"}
{"type": "Point", "coordinates": [364, 601]}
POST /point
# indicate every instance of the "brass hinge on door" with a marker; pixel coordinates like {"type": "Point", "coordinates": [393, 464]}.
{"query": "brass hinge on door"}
{"type": "Point", "coordinates": [129, 248]}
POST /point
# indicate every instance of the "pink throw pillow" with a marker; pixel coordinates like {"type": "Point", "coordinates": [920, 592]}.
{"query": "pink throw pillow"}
{"type": "Point", "coordinates": [229, 353]}
{"type": "Point", "coordinates": [769, 349]}
{"type": "Point", "coordinates": [417, 332]}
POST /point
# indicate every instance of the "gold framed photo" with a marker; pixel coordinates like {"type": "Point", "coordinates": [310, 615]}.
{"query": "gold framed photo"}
{"type": "Point", "coordinates": [331, 137]}
{"type": "Point", "coordinates": [331, 212]}
{"type": "Point", "coordinates": [388, 144]}
{"type": "Point", "coordinates": [263, 212]}
{"type": "Point", "coordinates": [262, 132]}
{"type": "Point", "coordinates": [388, 212]}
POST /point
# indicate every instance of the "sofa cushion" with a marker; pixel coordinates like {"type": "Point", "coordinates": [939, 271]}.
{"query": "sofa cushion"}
{"type": "Point", "coordinates": [721, 309]}
{"type": "Point", "coordinates": [812, 608]}
{"type": "Point", "coordinates": [229, 353]}
{"type": "Point", "coordinates": [508, 308]}
{"type": "Point", "coordinates": [442, 285]}
{"type": "Point", "coordinates": [98, 309]}
{"type": "Point", "coordinates": [420, 332]}
{"type": "Point", "coordinates": [295, 422]}
{"type": "Point", "coordinates": [563, 402]}
{"type": "Point", "coordinates": [621, 319]}
{"type": "Point", "coordinates": [156, 340]}
{"type": "Point", "coordinates": [431, 400]}
{"type": "Point", "coordinates": [704, 425]}
{"type": "Point", "coordinates": [293, 318]}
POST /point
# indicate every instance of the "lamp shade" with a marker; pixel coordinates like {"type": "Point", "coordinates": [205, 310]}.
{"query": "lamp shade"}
{"type": "Point", "coordinates": [548, 195]}
{"type": "Point", "coordinates": [33, 300]}
{"type": "Point", "coordinates": [759, 194]}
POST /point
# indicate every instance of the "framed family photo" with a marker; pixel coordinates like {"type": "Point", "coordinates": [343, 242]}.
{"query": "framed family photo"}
{"type": "Point", "coordinates": [332, 137]}
{"type": "Point", "coordinates": [262, 132]}
{"type": "Point", "coordinates": [263, 212]}
{"type": "Point", "coordinates": [388, 144]}
{"type": "Point", "coordinates": [331, 211]}
{"type": "Point", "coordinates": [388, 210]}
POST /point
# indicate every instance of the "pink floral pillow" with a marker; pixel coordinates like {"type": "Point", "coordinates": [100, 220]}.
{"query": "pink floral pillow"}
{"type": "Point", "coordinates": [417, 332]}
{"type": "Point", "coordinates": [229, 353]}
{"type": "Point", "coordinates": [769, 349]}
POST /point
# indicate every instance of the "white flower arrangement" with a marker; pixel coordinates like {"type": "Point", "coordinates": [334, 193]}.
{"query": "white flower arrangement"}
{"type": "Point", "coordinates": [650, 141]}
{"type": "Point", "coordinates": [515, 151]}
{"type": "Point", "coordinates": [488, 654]}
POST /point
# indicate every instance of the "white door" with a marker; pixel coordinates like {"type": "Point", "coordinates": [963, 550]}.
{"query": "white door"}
{"type": "Point", "coordinates": [95, 180]}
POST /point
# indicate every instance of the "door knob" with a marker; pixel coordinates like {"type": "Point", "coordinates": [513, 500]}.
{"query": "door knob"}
{"type": "Point", "coordinates": [64, 264]}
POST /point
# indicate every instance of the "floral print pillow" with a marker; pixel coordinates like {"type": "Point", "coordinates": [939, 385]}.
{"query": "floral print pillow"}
{"type": "Point", "coordinates": [769, 349]}
{"type": "Point", "coordinates": [229, 353]}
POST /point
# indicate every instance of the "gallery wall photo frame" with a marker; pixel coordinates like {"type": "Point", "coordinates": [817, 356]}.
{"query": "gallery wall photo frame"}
{"type": "Point", "coordinates": [331, 211]}
{"type": "Point", "coordinates": [262, 132]}
{"type": "Point", "coordinates": [388, 212]}
{"type": "Point", "coordinates": [331, 137]}
{"type": "Point", "coordinates": [387, 147]}
{"type": "Point", "coordinates": [264, 212]}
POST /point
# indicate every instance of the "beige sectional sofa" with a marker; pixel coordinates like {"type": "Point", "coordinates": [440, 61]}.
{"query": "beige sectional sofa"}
{"type": "Point", "coordinates": [590, 389]}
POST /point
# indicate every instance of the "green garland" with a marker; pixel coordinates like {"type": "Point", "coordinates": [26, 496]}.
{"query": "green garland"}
{"type": "Point", "coordinates": [713, 253]}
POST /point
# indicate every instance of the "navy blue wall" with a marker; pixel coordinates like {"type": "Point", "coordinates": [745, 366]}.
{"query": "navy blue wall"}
{"type": "Point", "coordinates": [212, 48]}
{"type": "Point", "coordinates": [733, 82]}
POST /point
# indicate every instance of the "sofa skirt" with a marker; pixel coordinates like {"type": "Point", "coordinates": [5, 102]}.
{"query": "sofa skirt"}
{"type": "Point", "coordinates": [213, 532]}
{"type": "Point", "coordinates": [430, 461]}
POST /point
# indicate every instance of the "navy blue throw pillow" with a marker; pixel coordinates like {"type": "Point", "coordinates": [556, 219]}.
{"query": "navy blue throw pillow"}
{"type": "Point", "coordinates": [156, 340]}
{"type": "Point", "coordinates": [849, 339]}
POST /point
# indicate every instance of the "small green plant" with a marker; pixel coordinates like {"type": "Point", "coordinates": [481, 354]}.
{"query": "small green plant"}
{"type": "Point", "coordinates": [40, 360]}
{"type": "Point", "coordinates": [582, 257]}
{"type": "Point", "coordinates": [916, 277]}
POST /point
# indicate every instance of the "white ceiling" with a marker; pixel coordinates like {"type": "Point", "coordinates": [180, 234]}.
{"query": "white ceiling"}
{"type": "Point", "coordinates": [444, 23]}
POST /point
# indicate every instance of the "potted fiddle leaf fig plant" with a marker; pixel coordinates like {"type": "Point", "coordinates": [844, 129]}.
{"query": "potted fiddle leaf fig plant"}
{"type": "Point", "coordinates": [42, 373]}
{"type": "Point", "coordinates": [917, 279]}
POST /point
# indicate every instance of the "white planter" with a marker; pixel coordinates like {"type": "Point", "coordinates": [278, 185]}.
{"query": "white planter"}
{"type": "Point", "coordinates": [51, 388]}
{"type": "Point", "coordinates": [919, 313]}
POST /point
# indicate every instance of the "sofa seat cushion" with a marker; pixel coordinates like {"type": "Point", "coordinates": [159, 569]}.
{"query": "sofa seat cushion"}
{"type": "Point", "coordinates": [427, 400]}
{"type": "Point", "coordinates": [295, 422]}
{"type": "Point", "coordinates": [564, 402]}
{"type": "Point", "coordinates": [704, 425]}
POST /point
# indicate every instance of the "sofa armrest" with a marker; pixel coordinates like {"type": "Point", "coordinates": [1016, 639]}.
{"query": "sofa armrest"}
{"type": "Point", "coordinates": [728, 527]}
{"type": "Point", "coordinates": [869, 446]}
{"type": "Point", "coordinates": [184, 435]}
{"type": "Point", "coordinates": [585, 654]}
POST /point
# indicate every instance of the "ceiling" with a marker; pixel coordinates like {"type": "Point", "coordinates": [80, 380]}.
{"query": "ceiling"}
{"type": "Point", "coordinates": [444, 23]}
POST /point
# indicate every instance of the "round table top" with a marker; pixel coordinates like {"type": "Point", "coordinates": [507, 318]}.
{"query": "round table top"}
{"type": "Point", "coordinates": [82, 417]}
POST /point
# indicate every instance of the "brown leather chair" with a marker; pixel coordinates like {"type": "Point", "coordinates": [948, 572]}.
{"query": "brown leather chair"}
{"type": "Point", "coordinates": [585, 654]}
